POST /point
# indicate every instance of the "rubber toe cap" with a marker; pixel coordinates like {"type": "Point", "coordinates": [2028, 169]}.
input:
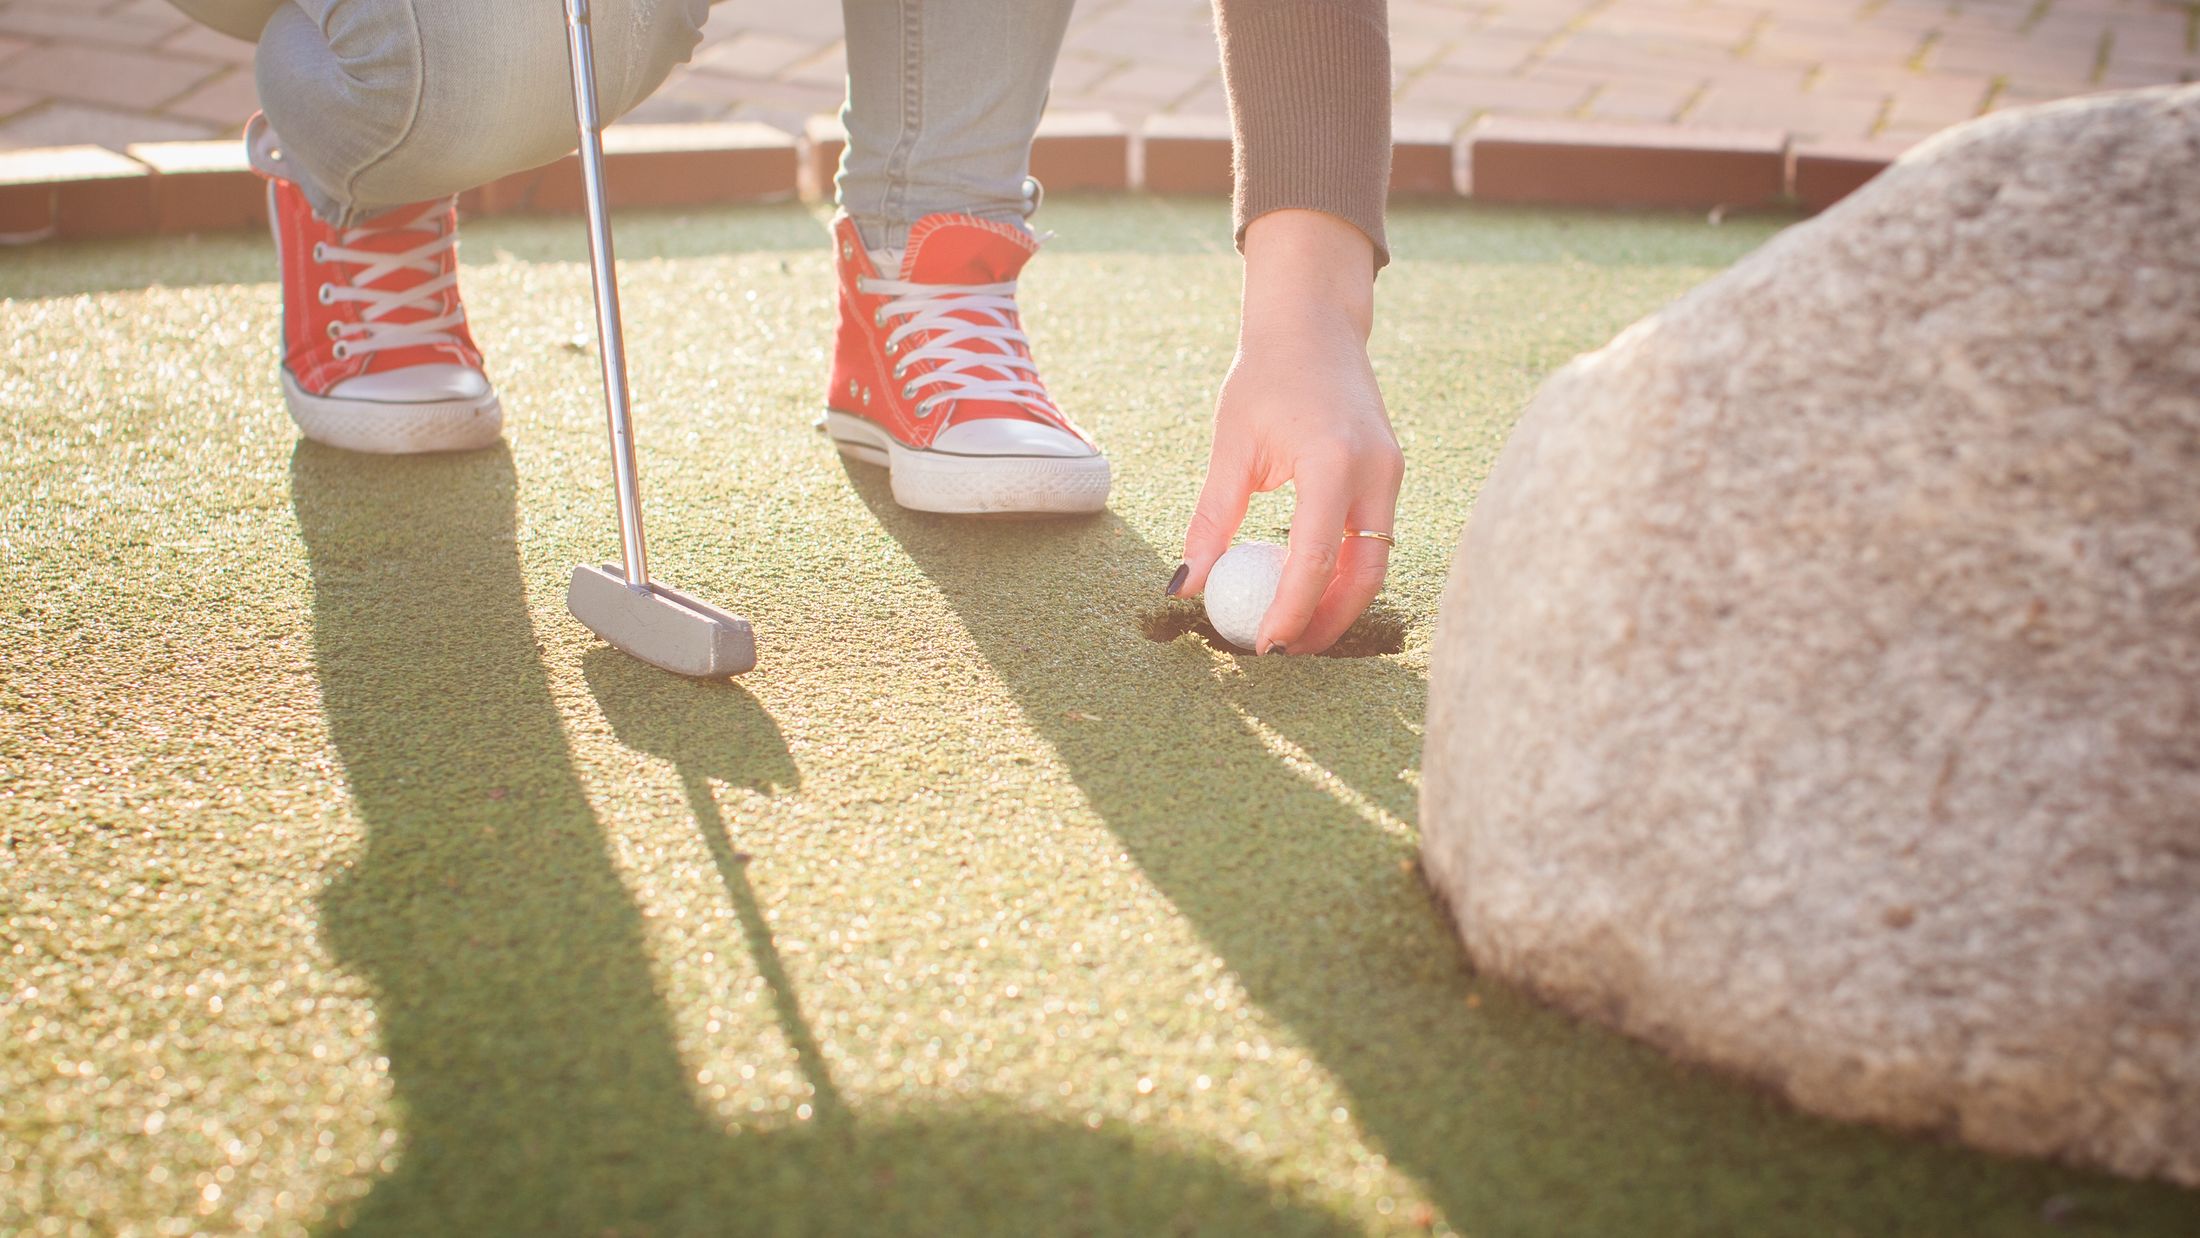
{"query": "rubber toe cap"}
{"type": "Point", "coordinates": [1009, 436]}
{"type": "Point", "coordinates": [416, 384]}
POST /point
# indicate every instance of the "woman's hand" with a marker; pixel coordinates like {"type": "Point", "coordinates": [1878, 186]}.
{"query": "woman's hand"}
{"type": "Point", "coordinates": [1300, 404]}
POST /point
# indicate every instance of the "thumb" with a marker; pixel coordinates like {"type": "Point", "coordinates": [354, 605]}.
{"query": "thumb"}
{"type": "Point", "coordinates": [1215, 520]}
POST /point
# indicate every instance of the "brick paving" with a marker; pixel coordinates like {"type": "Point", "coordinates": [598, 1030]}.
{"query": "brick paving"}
{"type": "Point", "coordinates": [112, 72]}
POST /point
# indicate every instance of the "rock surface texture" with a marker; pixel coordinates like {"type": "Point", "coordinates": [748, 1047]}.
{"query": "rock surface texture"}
{"type": "Point", "coordinates": [1817, 688]}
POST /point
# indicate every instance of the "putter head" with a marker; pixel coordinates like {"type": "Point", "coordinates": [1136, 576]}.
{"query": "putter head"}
{"type": "Point", "coordinates": [661, 627]}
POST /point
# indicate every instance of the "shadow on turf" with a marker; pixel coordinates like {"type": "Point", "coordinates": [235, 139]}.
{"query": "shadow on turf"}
{"type": "Point", "coordinates": [537, 1079]}
{"type": "Point", "coordinates": [690, 725]}
{"type": "Point", "coordinates": [1513, 1119]}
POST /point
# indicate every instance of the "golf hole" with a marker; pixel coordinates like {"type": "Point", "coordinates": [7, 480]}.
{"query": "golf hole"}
{"type": "Point", "coordinates": [1373, 634]}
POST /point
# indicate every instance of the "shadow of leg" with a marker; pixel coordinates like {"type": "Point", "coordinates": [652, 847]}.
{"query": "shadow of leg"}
{"type": "Point", "coordinates": [527, 1043]}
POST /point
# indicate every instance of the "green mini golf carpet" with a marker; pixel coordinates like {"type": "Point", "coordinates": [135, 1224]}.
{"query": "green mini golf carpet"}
{"type": "Point", "coordinates": [348, 885]}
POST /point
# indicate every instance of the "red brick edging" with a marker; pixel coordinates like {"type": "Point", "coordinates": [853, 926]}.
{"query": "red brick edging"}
{"type": "Point", "coordinates": [178, 187]}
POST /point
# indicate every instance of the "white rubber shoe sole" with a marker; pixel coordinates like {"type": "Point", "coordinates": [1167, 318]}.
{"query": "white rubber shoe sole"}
{"type": "Point", "coordinates": [937, 481]}
{"type": "Point", "coordinates": [395, 428]}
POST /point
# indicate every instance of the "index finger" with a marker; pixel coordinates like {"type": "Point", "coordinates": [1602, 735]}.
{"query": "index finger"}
{"type": "Point", "coordinates": [1317, 532]}
{"type": "Point", "coordinates": [1215, 520]}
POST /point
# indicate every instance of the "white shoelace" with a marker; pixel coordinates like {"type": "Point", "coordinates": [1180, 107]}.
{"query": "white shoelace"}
{"type": "Point", "coordinates": [937, 312]}
{"type": "Point", "coordinates": [370, 333]}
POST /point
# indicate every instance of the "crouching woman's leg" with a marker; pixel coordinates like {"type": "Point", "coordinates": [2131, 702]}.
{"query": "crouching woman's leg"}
{"type": "Point", "coordinates": [382, 103]}
{"type": "Point", "coordinates": [376, 114]}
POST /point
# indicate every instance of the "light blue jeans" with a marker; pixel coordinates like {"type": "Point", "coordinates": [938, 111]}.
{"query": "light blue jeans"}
{"type": "Point", "coordinates": [943, 97]}
{"type": "Point", "coordinates": [380, 103]}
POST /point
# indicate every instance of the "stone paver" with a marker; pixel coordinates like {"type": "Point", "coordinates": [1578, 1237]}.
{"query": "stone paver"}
{"type": "Point", "coordinates": [110, 72]}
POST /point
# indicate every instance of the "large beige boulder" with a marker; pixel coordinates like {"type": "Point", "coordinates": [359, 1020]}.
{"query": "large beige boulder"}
{"type": "Point", "coordinates": [1817, 689]}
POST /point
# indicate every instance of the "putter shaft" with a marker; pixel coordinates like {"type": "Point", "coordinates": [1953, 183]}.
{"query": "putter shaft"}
{"type": "Point", "coordinates": [610, 337]}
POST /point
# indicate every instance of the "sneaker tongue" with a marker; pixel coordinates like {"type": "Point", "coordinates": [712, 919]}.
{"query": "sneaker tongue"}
{"type": "Point", "coordinates": [395, 232]}
{"type": "Point", "coordinates": [963, 249]}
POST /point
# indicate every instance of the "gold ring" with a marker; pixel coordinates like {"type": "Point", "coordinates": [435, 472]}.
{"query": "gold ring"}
{"type": "Point", "coordinates": [1385, 538]}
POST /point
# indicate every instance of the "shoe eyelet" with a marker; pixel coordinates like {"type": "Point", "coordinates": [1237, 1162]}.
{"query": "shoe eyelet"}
{"type": "Point", "coordinates": [320, 252]}
{"type": "Point", "coordinates": [909, 392]}
{"type": "Point", "coordinates": [342, 351]}
{"type": "Point", "coordinates": [336, 330]}
{"type": "Point", "coordinates": [847, 249]}
{"type": "Point", "coordinates": [879, 319]}
{"type": "Point", "coordinates": [328, 296]}
{"type": "Point", "coordinates": [853, 387]}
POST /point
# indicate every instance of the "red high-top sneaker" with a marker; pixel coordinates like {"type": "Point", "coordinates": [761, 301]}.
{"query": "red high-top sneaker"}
{"type": "Point", "coordinates": [933, 378]}
{"type": "Point", "coordinates": [376, 355]}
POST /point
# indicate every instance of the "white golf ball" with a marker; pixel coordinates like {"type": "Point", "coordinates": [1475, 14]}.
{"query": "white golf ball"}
{"type": "Point", "coordinates": [1240, 588]}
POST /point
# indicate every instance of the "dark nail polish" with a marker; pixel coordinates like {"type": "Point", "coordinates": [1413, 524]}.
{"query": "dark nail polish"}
{"type": "Point", "coordinates": [1176, 582]}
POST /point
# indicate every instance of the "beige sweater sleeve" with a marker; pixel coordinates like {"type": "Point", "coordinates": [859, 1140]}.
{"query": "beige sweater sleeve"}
{"type": "Point", "coordinates": [1309, 88]}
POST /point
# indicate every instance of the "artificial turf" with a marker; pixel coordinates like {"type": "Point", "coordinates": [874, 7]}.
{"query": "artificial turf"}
{"type": "Point", "coordinates": [346, 883]}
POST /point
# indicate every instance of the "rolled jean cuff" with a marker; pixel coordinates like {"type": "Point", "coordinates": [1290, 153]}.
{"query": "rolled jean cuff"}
{"type": "Point", "coordinates": [892, 231]}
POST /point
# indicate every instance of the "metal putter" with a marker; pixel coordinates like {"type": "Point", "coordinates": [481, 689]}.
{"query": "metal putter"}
{"type": "Point", "coordinates": [619, 602]}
